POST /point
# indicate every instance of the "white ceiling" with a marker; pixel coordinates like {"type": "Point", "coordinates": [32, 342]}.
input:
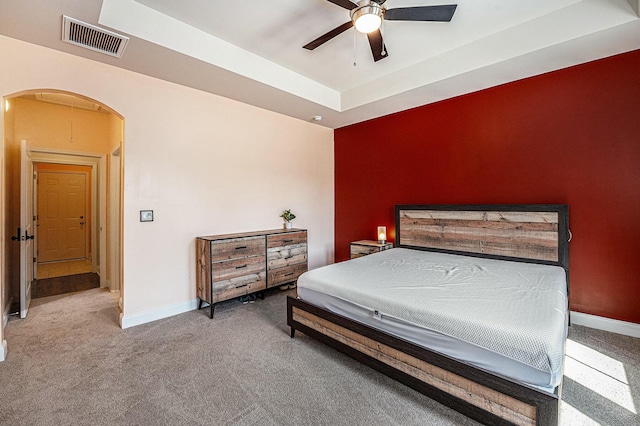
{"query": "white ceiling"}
{"type": "Point", "coordinates": [252, 51]}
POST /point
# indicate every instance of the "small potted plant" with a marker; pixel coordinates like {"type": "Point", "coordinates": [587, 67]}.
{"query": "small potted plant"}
{"type": "Point", "coordinates": [288, 217]}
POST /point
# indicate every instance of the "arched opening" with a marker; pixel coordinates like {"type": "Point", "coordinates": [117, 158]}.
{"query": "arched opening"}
{"type": "Point", "coordinates": [62, 197]}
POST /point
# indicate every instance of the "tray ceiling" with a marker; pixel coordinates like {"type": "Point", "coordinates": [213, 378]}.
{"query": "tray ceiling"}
{"type": "Point", "coordinates": [252, 51]}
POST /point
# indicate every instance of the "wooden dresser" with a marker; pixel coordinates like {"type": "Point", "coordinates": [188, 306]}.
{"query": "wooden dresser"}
{"type": "Point", "coordinates": [233, 265]}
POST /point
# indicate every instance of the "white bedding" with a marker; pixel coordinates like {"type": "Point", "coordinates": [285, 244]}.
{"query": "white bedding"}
{"type": "Point", "coordinates": [505, 317]}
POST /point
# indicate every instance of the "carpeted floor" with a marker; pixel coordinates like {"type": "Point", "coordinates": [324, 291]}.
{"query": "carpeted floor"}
{"type": "Point", "coordinates": [70, 363]}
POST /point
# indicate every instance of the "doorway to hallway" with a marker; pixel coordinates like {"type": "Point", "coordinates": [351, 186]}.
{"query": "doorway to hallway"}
{"type": "Point", "coordinates": [68, 222]}
{"type": "Point", "coordinates": [70, 141]}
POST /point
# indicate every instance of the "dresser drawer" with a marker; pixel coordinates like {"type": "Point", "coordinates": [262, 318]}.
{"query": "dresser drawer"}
{"type": "Point", "coordinates": [237, 247]}
{"type": "Point", "coordinates": [287, 274]}
{"type": "Point", "coordinates": [292, 255]}
{"type": "Point", "coordinates": [238, 286]}
{"type": "Point", "coordinates": [359, 251]}
{"type": "Point", "coordinates": [286, 239]}
{"type": "Point", "coordinates": [228, 269]}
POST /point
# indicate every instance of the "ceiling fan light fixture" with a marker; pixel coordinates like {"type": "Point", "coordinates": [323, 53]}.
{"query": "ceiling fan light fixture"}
{"type": "Point", "coordinates": [367, 17]}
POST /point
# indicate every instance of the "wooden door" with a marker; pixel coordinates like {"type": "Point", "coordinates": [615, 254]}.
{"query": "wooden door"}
{"type": "Point", "coordinates": [62, 215]}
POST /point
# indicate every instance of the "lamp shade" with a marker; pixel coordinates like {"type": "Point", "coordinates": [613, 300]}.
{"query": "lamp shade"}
{"type": "Point", "coordinates": [382, 234]}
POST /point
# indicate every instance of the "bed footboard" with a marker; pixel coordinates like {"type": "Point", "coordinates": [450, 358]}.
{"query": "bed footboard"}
{"type": "Point", "coordinates": [483, 396]}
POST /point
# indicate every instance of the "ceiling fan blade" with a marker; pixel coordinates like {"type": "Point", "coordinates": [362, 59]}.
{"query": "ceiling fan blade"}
{"type": "Point", "coordinates": [378, 49]}
{"type": "Point", "coordinates": [442, 13]}
{"type": "Point", "coordinates": [328, 36]}
{"type": "Point", "coordinates": [344, 3]}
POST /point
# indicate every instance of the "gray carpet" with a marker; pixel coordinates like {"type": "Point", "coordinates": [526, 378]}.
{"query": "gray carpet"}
{"type": "Point", "coordinates": [69, 363]}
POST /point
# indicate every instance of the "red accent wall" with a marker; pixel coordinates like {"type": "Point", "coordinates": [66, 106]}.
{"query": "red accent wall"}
{"type": "Point", "coordinates": [571, 136]}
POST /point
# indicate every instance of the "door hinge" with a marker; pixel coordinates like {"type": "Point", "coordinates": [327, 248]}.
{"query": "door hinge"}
{"type": "Point", "coordinates": [34, 260]}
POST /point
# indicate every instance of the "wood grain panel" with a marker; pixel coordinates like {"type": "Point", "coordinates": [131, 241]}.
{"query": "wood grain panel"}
{"type": "Point", "coordinates": [504, 406]}
{"type": "Point", "coordinates": [527, 235]}
{"type": "Point", "coordinates": [286, 239]}
{"type": "Point", "coordinates": [239, 286]}
{"type": "Point", "coordinates": [359, 251]}
{"type": "Point", "coordinates": [287, 274]}
{"type": "Point", "coordinates": [237, 267]}
{"type": "Point", "coordinates": [286, 257]}
{"type": "Point", "coordinates": [203, 270]}
{"type": "Point", "coordinates": [237, 247]}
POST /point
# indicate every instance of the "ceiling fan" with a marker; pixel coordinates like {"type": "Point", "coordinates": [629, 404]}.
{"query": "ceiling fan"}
{"type": "Point", "coordinates": [367, 17]}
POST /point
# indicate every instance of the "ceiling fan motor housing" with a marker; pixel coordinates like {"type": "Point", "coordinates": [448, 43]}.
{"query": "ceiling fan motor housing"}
{"type": "Point", "coordinates": [368, 16]}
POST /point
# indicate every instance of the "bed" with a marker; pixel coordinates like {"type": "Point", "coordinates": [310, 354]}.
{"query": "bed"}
{"type": "Point", "coordinates": [470, 308]}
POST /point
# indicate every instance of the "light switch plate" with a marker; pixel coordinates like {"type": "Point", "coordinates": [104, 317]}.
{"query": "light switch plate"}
{"type": "Point", "coordinates": [146, 215]}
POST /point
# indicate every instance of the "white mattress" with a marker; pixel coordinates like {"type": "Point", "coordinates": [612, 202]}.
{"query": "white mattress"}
{"type": "Point", "coordinates": [506, 317]}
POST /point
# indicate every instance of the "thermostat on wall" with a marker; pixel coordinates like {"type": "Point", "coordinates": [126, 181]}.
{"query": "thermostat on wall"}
{"type": "Point", "coordinates": [146, 215]}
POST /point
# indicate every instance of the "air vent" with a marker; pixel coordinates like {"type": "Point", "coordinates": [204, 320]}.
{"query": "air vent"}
{"type": "Point", "coordinates": [92, 37]}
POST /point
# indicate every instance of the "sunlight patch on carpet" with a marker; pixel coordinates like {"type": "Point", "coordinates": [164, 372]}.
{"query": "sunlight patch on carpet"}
{"type": "Point", "coordinates": [599, 373]}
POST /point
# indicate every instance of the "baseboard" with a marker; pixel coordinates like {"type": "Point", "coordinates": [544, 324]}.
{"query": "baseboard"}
{"type": "Point", "coordinates": [3, 351]}
{"type": "Point", "coordinates": [606, 324]}
{"type": "Point", "coordinates": [127, 321]}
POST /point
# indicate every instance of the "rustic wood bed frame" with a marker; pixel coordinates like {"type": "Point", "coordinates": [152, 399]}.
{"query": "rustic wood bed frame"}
{"type": "Point", "coordinates": [525, 233]}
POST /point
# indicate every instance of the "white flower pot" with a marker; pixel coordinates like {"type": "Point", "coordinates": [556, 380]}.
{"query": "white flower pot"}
{"type": "Point", "coordinates": [288, 225]}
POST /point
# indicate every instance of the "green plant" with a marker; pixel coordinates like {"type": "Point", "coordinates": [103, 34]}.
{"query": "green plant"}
{"type": "Point", "coordinates": [287, 215]}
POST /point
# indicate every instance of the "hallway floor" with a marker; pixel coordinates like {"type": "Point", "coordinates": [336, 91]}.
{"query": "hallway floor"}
{"type": "Point", "coordinates": [61, 269]}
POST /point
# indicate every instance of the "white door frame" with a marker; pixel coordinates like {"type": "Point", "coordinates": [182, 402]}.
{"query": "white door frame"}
{"type": "Point", "coordinates": [97, 162]}
{"type": "Point", "coordinates": [115, 222]}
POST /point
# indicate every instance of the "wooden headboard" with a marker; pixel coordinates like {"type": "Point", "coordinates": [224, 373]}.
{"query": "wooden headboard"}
{"type": "Point", "coordinates": [536, 233]}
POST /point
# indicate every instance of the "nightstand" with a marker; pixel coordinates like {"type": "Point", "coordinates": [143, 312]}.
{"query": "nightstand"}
{"type": "Point", "coordinates": [365, 247]}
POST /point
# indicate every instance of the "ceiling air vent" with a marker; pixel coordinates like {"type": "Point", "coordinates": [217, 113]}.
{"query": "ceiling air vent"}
{"type": "Point", "coordinates": [92, 37]}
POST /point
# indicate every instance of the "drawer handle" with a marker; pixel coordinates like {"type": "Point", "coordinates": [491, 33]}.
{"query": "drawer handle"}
{"type": "Point", "coordinates": [241, 248]}
{"type": "Point", "coordinates": [241, 285]}
{"type": "Point", "coordinates": [286, 275]}
{"type": "Point", "coordinates": [287, 241]}
{"type": "Point", "coordinates": [240, 267]}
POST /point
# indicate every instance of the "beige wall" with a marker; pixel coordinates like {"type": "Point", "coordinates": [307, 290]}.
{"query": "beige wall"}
{"type": "Point", "coordinates": [203, 163]}
{"type": "Point", "coordinates": [48, 125]}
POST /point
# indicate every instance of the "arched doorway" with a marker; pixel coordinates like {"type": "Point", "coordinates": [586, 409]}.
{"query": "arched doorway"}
{"type": "Point", "coordinates": [74, 145]}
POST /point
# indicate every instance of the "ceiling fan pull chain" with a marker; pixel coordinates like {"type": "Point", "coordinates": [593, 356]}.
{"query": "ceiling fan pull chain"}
{"type": "Point", "coordinates": [383, 53]}
{"type": "Point", "coordinates": [354, 46]}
